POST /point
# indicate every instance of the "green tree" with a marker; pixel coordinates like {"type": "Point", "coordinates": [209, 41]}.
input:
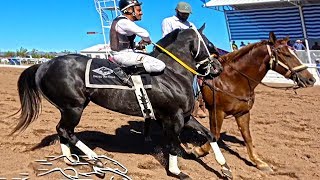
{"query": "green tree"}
{"type": "Point", "coordinates": [9, 54]}
{"type": "Point", "coordinates": [34, 53]}
{"type": "Point", "coordinates": [22, 52]}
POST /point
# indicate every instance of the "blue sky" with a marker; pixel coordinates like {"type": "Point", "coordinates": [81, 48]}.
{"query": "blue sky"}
{"type": "Point", "coordinates": [59, 25]}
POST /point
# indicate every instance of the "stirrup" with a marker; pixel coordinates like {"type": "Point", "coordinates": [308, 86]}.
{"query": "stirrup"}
{"type": "Point", "coordinates": [125, 78]}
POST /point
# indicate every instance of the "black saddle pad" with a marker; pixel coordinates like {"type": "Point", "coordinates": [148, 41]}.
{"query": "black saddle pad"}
{"type": "Point", "coordinates": [99, 74]}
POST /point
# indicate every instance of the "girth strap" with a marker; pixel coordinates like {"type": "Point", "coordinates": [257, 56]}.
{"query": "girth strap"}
{"type": "Point", "coordinates": [142, 97]}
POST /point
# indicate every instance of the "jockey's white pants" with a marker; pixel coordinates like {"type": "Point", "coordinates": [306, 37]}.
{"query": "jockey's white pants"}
{"type": "Point", "coordinates": [128, 57]}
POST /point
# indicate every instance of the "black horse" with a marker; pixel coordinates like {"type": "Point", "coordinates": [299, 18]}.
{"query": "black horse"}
{"type": "Point", "coordinates": [62, 82]}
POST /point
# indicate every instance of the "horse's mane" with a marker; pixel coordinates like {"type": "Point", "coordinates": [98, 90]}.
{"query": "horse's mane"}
{"type": "Point", "coordinates": [235, 55]}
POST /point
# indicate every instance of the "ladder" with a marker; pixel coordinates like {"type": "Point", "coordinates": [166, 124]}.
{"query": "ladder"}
{"type": "Point", "coordinates": [107, 10]}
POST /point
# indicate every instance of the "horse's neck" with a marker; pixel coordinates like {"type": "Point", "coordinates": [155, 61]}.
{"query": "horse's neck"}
{"type": "Point", "coordinates": [251, 67]}
{"type": "Point", "coordinates": [182, 53]}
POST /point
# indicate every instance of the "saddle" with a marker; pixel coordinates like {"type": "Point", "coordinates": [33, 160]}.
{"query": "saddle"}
{"type": "Point", "coordinates": [101, 73]}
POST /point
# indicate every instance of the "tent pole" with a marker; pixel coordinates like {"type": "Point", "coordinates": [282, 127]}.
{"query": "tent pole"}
{"type": "Point", "coordinates": [304, 33]}
{"type": "Point", "coordinates": [228, 29]}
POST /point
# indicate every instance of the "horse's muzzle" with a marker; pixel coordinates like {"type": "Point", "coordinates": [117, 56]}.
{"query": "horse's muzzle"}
{"type": "Point", "coordinates": [304, 82]}
{"type": "Point", "coordinates": [216, 67]}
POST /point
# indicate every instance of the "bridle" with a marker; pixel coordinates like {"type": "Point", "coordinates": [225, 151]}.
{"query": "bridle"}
{"type": "Point", "coordinates": [206, 61]}
{"type": "Point", "coordinates": [274, 62]}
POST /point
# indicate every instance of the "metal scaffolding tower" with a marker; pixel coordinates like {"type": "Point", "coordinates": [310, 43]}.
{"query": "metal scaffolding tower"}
{"type": "Point", "coordinates": [107, 10]}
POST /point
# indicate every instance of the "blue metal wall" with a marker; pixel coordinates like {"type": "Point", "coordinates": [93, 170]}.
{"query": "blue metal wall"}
{"type": "Point", "coordinates": [256, 24]}
{"type": "Point", "coordinates": [312, 21]}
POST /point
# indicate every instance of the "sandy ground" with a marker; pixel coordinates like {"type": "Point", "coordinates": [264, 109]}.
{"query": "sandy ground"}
{"type": "Point", "coordinates": [285, 128]}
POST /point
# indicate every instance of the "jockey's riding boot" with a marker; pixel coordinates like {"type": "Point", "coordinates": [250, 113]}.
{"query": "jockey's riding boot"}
{"type": "Point", "coordinates": [123, 76]}
{"type": "Point", "coordinates": [136, 69]}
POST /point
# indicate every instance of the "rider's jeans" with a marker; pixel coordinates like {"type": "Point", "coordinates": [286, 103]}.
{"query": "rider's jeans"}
{"type": "Point", "coordinates": [128, 57]}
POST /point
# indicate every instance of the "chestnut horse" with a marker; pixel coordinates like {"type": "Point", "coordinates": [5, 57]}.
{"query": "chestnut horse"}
{"type": "Point", "coordinates": [232, 93]}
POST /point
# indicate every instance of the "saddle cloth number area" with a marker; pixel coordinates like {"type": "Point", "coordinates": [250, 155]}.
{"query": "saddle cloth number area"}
{"type": "Point", "coordinates": [99, 74]}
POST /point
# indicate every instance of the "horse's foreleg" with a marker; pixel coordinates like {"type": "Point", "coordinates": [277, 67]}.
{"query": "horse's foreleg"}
{"type": "Point", "coordinates": [172, 129]}
{"type": "Point", "coordinates": [193, 123]}
{"type": "Point", "coordinates": [216, 120]}
{"type": "Point", "coordinates": [244, 127]}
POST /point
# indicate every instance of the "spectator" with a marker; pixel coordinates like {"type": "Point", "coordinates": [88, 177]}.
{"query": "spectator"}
{"type": "Point", "coordinates": [242, 44]}
{"type": "Point", "coordinates": [178, 21]}
{"type": "Point", "coordinates": [315, 46]}
{"type": "Point", "coordinates": [298, 45]}
{"type": "Point", "coordinates": [234, 46]}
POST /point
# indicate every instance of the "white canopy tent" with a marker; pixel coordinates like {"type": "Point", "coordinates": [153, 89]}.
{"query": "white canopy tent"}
{"type": "Point", "coordinates": [254, 19]}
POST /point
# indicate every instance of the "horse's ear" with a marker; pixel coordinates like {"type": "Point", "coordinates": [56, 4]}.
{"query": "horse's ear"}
{"type": "Point", "coordinates": [202, 27]}
{"type": "Point", "coordinates": [272, 38]}
{"type": "Point", "coordinates": [286, 39]}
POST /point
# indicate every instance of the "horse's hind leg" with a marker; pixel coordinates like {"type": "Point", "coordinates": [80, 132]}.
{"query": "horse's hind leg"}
{"type": "Point", "coordinates": [70, 118]}
{"type": "Point", "coordinates": [194, 124]}
{"type": "Point", "coordinates": [243, 125]}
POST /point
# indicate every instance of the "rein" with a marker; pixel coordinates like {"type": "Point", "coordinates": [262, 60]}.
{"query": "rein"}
{"type": "Point", "coordinates": [177, 59]}
{"type": "Point", "coordinates": [200, 39]}
{"type": "Point", "coordinates": [273, 62]}
{"type": "Point", "coordinates": [214, 88]}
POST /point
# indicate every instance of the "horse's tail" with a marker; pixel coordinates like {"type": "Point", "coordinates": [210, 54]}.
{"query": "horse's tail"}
{"type": "Point", "coordinates": [30, 99]}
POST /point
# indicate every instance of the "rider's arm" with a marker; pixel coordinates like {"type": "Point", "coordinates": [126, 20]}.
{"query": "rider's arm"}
{"type": "Point", "coordinates": [128, 27]}
{"type": "Point", "coordinates": [166, 27]}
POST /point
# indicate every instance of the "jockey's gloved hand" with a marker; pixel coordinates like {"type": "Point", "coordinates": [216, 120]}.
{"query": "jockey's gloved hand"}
{"type": "Point", "coordinates": [145, 41]}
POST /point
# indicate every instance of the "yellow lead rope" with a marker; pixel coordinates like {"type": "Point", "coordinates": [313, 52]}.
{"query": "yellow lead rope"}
{"type": "Point", "coordinates": [177, 59]}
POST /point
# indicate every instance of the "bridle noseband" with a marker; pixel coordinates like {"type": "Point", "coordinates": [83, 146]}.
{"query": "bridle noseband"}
{"type": "Point", "coordinates": [274, 62]}
{"type": "Point", "coordinates": [206, 61]}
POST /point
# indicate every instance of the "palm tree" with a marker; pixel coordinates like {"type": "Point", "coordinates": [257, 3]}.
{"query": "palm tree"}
{"type": "Point", "coordinates": [22, 52]}
{"type": "Point", "coordinates": [9, 54]}
{"type": "Point", "coordinates": [34, 53]}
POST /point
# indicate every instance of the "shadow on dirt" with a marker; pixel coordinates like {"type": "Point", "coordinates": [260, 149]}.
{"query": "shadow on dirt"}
{"type": "Point", "coordinates": [130, 139]}
{"type": "Point", "coordinates": [127, 139]}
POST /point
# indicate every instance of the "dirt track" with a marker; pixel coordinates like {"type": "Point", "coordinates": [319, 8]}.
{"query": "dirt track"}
{"type": "Point", "coordinates": [285, 128]}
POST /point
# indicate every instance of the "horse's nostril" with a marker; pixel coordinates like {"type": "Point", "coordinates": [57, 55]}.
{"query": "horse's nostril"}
{"type": "Point", "coordinates": [311, 81]}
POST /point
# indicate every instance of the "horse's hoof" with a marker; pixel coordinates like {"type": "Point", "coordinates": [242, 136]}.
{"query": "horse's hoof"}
{"type": "Point", "coordinates": [265, 169]}
{"type": "Point", "coordinates": [100, 175]}
{"type": "Point", "coordinates": [98, 163]}
{"type": "Point", "coordinates": [226, 171]}
{"type": "Point", "coordinates": [181, 176]}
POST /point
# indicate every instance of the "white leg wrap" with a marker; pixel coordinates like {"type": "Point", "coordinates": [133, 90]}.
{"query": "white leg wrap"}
{"type": "Point", "coordinates": [85, 149]}
{"type": "Point", "coordinates": [67, 153]}
{"type": "Point", "coordinates": [173, 164]}
{"type": "Point", "coordinates": [218, 154]}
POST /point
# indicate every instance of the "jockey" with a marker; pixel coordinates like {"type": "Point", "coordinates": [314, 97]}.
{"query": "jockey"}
{"type": "Point", "coordinates": [122, 34]}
